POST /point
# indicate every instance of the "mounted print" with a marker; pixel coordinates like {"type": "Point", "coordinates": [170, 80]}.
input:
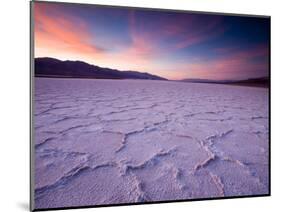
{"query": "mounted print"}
{"type": "Point", "coordinates": [137, 105]}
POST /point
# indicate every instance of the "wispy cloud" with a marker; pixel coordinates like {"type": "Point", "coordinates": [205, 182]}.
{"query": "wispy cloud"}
{"type": "Point", "coordinates": [60, 33]}
{"type": "Point", "coordinates": [172, 45]}
{"type": "Point", "coordinates": [163, 36]}
{"type": "Point", "coordinates": [233, 63]}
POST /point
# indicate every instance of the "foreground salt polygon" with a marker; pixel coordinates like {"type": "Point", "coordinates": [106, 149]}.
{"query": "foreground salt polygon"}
{"type": "Point", "coordinates": [123, 141]}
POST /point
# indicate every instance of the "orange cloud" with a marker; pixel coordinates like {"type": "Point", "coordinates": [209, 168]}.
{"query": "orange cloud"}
{"type": "Point", "coordinates": [59, 34]}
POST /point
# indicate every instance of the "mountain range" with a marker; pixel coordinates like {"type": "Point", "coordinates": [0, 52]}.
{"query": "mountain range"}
{"type": "Point", "coordinates": [257, 82]}
{"type": "Point", "coordinates": [51, 67]}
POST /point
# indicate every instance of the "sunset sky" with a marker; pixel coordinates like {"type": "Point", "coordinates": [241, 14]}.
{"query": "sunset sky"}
{"type": "Point", "coordinates": [168, 44]}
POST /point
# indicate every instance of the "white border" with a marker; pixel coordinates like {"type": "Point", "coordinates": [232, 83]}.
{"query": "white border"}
{"type": "Point", "coordinates": [14, 113]}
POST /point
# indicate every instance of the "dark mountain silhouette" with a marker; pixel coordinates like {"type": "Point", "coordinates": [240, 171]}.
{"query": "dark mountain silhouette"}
{"type": "Point", "coordinates": [207, 81]}
{"type": "Point", "coordinates": [257, 82]}
{"type": "Point", "coordinates": [51, 67]}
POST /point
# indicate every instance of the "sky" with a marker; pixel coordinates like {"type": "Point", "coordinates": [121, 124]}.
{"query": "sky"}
{"type": "Point", "coordinates": [165, 43]}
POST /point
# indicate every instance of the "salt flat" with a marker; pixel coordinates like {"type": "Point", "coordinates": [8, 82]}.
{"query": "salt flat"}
{"type": "Point", "coordinates": [122, 141]}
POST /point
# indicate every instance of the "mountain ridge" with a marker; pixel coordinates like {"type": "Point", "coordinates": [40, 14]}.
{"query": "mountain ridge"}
{"type": "Point", "coordinates": [55, 68]}
{"type": "Point", "coordinates": [259, 81]}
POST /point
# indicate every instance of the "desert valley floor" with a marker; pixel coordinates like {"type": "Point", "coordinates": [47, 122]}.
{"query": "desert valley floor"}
{"type": "Point", "coordinates": [123, 141]}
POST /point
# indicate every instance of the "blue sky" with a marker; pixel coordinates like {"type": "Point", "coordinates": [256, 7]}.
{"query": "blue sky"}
{"type": "Point", "coordinates": [165, 43]}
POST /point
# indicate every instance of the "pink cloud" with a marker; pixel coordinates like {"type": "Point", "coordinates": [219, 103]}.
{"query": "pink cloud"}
{"type": "Point", "coordinates": [200, 34]}
{"type": "Point", "coordinates": [59, 33]}
{"type": "Point", "coordinates": [239, 64]}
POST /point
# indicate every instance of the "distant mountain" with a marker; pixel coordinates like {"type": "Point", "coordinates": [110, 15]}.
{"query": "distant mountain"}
{"type": "Point", "coordinates": [258, 82]}
{"type": "Point", "coordinates": [207, 81]}
{"type": "Point", "coordinates": [50, 67]}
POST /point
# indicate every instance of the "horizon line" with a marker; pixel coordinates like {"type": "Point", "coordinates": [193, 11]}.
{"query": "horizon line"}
{"type": "Point", "coordinates": [207, 79]}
